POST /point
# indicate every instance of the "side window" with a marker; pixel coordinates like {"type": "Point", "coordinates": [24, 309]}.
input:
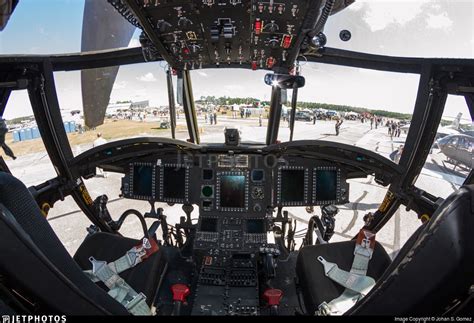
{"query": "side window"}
{"type": "Point", "coordinates": [32, 164]}
{"type": "Point", "coordinates": [451, 158]}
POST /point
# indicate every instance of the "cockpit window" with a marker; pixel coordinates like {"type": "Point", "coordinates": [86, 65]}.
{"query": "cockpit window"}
{"type": "Point", "coordinates": [137, 105]}
{"type": "Point", "coordinates": [451, 157]}
{"type": "Point", "coordinates": [368, 109]}
{"type": "Point", "coordinates": [419, 28]}
{"type": "Point", "coordinates": [237, 98]}
{"type": "Point", "coordinates": [431, 28]}
{"type": "Point", "coordinates": [55, 27]}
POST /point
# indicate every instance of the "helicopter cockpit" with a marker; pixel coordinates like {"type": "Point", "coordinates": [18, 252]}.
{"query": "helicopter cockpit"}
{"type": "Point", "coordinates": [236, 249]}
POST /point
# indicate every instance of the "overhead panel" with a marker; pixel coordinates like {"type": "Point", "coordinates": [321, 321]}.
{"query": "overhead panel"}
{"type": "Point", "coordinates": [215, 33]}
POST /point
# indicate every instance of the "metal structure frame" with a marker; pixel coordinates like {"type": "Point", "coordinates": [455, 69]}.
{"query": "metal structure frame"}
{"type": "Point", "coordinates": [438, 78]}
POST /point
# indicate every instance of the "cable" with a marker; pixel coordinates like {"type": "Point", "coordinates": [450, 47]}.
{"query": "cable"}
{"type": "Point", "coordinates": [323, 18]}
{"type": "Point", "coordinates": [140, 217]}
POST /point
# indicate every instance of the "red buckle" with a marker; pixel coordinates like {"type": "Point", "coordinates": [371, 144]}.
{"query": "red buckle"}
{"type": "Point", "coordinates": [273, 296]}
{"type": "Point", "coordinates": [366, 239]}
{"type": "Point", "coordinates": [149, 246]}
{"type": "Point", "coordinates": [180, 292]}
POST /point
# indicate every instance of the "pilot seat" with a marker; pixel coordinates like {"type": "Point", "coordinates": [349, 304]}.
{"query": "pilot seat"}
{"type": "Point", "coordinates": [40, 265]}
{"type": "Point", "coordinates": [431, 273]}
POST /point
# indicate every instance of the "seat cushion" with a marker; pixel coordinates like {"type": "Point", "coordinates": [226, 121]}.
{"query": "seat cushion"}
{"type": "Point", "coordinates": [315, 286]}
{"type": "Point", "coordinates": [108, 247]}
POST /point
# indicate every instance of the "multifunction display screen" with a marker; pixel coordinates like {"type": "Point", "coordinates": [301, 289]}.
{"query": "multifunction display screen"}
{"type": "Point", "coordinates": [232, 191]}
{"type": "Point", "coordinates": [326, 185]}
{"type": "Point", "coordinates": [174, 182]}
{"type": "Point", "coordinates": [292, 185]}
{"type": "Point", "coordinates": [142, 181]}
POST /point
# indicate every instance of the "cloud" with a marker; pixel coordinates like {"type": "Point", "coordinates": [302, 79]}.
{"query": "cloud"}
{"type": "Point", "coordinates": [148, 77]}
{"type": "Point", "coordinates": [441, 21]}
{"type": "Point", "coordinates": [382, 13]}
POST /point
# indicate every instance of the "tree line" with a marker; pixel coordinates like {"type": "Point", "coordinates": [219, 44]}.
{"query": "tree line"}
{"type": "Point", "coordinates": [305, 105]}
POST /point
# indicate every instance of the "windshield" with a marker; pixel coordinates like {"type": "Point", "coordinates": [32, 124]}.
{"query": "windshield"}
{"type": "Point", "coordinates": [232, 98]}
{"type": "Point", "coordinates": [375, 107]}
{"type": "Point", "coordinates": [239, 98]}
{"type": "Point", "coordinates": [431, 28]}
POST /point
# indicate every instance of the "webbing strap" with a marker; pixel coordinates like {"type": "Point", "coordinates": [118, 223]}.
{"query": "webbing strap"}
{"type": "Point", "coordinates": [134, 302]}
{"type": "Point", "coordinates": [356, 283]}
{"type": "Point", "coordinates": [107, 273]}
{"type": "Point", "coordinates": [352, 281]}
{"type": "Point", "coordinates": [132, 257]}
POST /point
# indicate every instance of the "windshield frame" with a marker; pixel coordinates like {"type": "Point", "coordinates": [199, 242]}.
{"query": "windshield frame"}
{"type": "Point", "coordinates": [438, 78]}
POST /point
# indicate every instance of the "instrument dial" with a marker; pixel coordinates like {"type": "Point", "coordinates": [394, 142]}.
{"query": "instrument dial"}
{"type": "Point", "coordinates": [258, 193]}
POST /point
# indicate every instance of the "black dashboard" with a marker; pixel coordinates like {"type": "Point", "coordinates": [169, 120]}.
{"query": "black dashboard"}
{"type": "Point", "coordinates": [235, 192]}
{"type": "Point", "coordinates": [236, 189]}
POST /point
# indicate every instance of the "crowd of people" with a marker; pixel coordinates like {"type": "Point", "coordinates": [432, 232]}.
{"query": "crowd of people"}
{"type": "Point", "coordinates": [394, 129]}
{"type": "Point", "coordinates": [211, 116]}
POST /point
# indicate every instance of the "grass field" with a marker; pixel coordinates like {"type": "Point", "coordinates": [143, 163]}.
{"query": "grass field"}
{"type": "Point", "coordinates": [111, 130]}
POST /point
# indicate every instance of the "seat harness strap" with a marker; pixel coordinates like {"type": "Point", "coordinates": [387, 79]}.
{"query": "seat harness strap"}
{"type": "Point", "coordinates": [356, 283]}
{"type": "Point", "coordinates": [123, 293]}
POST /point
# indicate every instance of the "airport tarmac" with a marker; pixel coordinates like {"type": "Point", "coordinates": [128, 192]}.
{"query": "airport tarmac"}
{"type": "Point", "coordinates": [70, 223]}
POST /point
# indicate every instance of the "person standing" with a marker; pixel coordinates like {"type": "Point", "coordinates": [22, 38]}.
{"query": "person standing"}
{"type": "Point", "coordinates": [3, 132]}
{"type": "Point", "coordinates": [338, 126]}
{"type": "Point", "coordinates": [395, 155]}
{"type": "Point", "coordinates": [371, 123]}
{"type": "Point", "coordinates": [99, 141]}
{"type": "Point", "coordinates": [215, 117]}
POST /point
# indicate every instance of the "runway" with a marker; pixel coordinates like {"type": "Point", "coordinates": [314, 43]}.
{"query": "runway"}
{"type": "Point", "coordinates": [70, 224]}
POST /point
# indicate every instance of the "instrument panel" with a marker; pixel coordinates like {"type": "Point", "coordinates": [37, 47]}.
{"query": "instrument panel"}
{"type": "Point", "coordinates": [245, 184]}
{"type": "Point", "coordinates": [208, 32]}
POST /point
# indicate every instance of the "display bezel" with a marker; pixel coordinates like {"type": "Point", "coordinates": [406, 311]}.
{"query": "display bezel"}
{"type": "Point", "coordinates": [131, 177]}
{"type": "Point", "coordinates": [186, 183]}
{"type": "Point", "coordinates": [315, 200]}
{"type": "Point", "coordinates": [305, 200]}
{"type": "Point", "coordinates": [218, 191]}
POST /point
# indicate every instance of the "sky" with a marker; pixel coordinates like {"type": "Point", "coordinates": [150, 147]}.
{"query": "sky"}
{"type": "Point", "coordinates": [423, 28]}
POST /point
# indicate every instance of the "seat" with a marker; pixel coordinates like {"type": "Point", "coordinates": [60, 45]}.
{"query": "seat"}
{"type": "Point", "coordinates": [434, 270]}
{"type": "Point", "coordinates": [35, 261]}
{"type": "Point", "coordinates": [108, 247]}
{"type": "Point", "coordinates": [315, 286]}
{"type": "Point", "coordinates": [431, 272]}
